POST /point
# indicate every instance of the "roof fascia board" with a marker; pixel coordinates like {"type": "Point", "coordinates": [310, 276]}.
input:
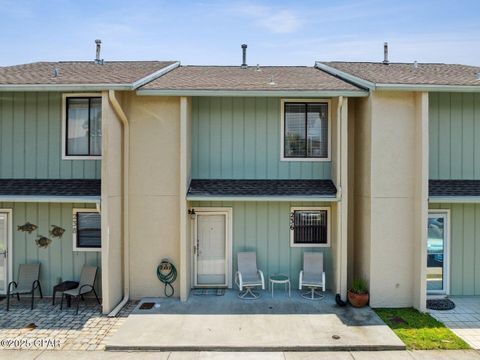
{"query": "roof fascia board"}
{"type": "Point", "coordinates": [427, 87]}
{"type": "Point", "coordinates": [52, 199]}
{"type": "Point", "coordinates": [155, 75]}
{"type": "Point", "coordinates": [264, 198]}
{"type": "Point", "coordinates": [454, 199]}
{"type": "Point", "coordinates": [269, 93]}
{"type": "Point", "coordinates": [66, 87]}
{"type": "Point", "coordinates": [346, 76]}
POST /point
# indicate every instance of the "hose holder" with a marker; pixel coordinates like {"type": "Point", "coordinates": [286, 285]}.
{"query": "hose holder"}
{"type": "Point", "coordinates": [167, 274]}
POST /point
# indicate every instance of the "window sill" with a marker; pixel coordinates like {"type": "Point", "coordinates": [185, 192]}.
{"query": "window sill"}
{"type": "Point", "coordinates": [80, 249]}
{"type": "Point", "coordinates": [83, 157]}
{"type": "Point", "coordinates": [306, 159]}
{"type": "Point", "coordinates": [309, 245]}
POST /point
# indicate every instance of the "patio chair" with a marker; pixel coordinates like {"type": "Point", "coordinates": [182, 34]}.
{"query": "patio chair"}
{"type": "Point", "coordinates": [248, 276]}
{"type": "Point", "coordinates": [312, 275]}
{"type": "Point", "coordinates": [85, 286]}
{"type": "Point", "coordinates": [28, 275]}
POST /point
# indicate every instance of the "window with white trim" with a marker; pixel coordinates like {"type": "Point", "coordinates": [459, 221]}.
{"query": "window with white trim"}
{"type": "Point", "coordinates": [310, 227]}
{"type": "Point", "coordinates": [82, 126]}
{"type": "Point", "coordinates": [305, 130]}
{"type": "Point", "coordinates": [87, 230]}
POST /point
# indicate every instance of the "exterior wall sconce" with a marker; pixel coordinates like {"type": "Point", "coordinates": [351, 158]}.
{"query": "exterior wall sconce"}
{"type": "Point", "coordinates": [192, 213]}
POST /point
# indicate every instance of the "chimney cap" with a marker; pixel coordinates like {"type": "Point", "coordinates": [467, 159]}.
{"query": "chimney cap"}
{"type": "Point", "coordinates": [244, 46]}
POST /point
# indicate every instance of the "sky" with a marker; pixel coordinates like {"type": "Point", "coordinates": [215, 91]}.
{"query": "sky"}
{"type": "Point", "coordinates": [210, 32]}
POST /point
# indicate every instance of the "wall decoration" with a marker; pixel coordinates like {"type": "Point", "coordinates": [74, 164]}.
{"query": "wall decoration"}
{"type": "Point", "coordinates": [27, 227]}
{"type": "Point", "coordinates": [42, 241]}
{"type": "Point", "coordinates": [56, 231]}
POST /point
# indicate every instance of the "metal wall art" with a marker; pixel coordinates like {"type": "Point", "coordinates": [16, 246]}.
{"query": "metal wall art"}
{"type": "Point", "coordinates": [56, 231]}
{"type": "Point", "coordinates": [27, 227]}
{"type": "Point", "coordinates": [42, 241]}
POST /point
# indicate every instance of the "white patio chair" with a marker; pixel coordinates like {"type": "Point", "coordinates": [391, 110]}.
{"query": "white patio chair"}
{"type": "Point", "coordinates": [86, 285]}
{"type": "Point", "coordinates": [248, 276]}
{"type": "Point", "coordinates": [28, 275]}
{"type": "Point", "coordinates": [312, 275]}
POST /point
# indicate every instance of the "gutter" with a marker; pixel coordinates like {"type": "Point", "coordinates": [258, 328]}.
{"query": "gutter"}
{"type": "Point", "coordinates": [50, 199]}
{"type": "Point", "coordinates": [332, 198]}
{"type": "Point", "coordinates": [454, 199]}
{"type": "Point", "coordinates": [126, 231]}
{"type": "Point", "coordinates": [265, 93]}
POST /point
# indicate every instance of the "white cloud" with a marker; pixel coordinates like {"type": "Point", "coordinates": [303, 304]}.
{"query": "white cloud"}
{"type": "Point", "coordinates": [278, 21]}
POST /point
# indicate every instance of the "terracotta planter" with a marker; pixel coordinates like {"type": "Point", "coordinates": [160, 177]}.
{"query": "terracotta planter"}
{"type": "Point", "coordinates": [357, 300]}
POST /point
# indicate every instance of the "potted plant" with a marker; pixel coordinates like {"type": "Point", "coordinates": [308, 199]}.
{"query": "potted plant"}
{"type": "Point", "coordinates": [358, 293]}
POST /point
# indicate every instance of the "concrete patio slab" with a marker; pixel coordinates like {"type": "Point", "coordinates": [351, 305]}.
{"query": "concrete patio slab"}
{"type": "Point", "coordinates": [225, 323]}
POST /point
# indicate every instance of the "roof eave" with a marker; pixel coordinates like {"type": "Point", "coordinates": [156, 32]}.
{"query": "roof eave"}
{"type": "Point", "coordinates": [324, 198]}
{"type": "Point", "coordinates": [453, 199]}
{"type": "Point", "coordinates": [155, 75]}
{"type": "Point", "coordinates": [428, 87]}
{"type": "Point", "coordinates": [50, 198]}
{"type": "Point", "coordinates": [345, 76]}
{"type": "Point", "coordinates": [264, 93]}
{"type": "Point", "coordinates": [64, 87]}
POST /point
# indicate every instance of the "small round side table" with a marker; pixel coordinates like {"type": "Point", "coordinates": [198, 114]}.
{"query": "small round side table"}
{"type": "Point", "coordinates": [280, 279]}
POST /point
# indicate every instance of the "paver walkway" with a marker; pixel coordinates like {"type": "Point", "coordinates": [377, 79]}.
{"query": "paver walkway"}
{"type": "Point", "coordinates": [55, 329]}
{"type": "Point", "coordinates": [464, 320]}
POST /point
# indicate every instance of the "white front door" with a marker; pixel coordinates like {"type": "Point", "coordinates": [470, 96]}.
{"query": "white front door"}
{"type": "Point", "coordinates": [4, 242]}
{"type": "Point", "coordinates": [211, 249]}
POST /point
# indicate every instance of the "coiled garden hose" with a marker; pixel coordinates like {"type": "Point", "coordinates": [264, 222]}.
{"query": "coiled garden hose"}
{"type": "Point", "coordinates": [167, 273]}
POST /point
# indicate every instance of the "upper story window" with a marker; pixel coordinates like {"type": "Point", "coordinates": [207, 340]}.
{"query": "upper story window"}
{"type": "Point", "coordinates": [305, 130]}
{"type": "Point", "coordinates": [82, 127]}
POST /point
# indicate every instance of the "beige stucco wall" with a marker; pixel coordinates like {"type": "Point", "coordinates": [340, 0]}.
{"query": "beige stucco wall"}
{"type": "Point", "coordinates": [153, 189]}
{"type": "Point", "coordinates": [111, 208]}
{"type": "Point", "coordinates": [387, 143]}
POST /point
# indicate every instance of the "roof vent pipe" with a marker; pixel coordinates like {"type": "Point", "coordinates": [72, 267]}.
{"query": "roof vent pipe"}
{"type": "Point", "coordinates": [385, 53]}
{"type": "Point", "coordinates": [98, 42]}
{"type": "Point", "coordinates": [244, 56]}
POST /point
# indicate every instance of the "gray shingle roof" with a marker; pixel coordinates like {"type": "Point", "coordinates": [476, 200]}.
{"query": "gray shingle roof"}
{"type": "Point", "coordinates": [406, 73]}
{"type": "Point", "coordinates": [269, 78]}
{"type": "Point", "coordinates": [216, 187]}
{"type": "Point", "coordinates": [79, 72]}
{"type": "Point", "coordinates": [454, 188]}
{"type": "Point", "coordinates": [50, 187]}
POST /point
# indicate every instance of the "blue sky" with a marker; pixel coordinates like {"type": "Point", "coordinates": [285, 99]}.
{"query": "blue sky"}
{"type": "Point", "coordinates": [210, 32]}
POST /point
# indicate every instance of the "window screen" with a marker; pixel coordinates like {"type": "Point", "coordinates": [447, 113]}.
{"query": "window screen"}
{"type": "Point", "coordinates": [309, 227]}
{"type": "Point", "coordinates": [88, 230]}
{"type": "Point", "coordinates": [306, 130]}
{"type": "Point", "coordinates": [84, 126]}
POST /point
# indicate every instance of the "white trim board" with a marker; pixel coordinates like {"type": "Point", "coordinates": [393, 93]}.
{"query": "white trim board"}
{"type": "Point", "coordinates": [9, 213]}
{"type": "Point", "coordinates": [228, 212]}
{"type": "Point", "coordinates": [446, 251]}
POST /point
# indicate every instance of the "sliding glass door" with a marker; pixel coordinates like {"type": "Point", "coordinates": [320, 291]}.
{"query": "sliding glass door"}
{"type": "Point", "coordinates": [437, 252]}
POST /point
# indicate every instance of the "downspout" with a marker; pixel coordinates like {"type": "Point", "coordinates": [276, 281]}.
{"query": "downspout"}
{"type": "Point", "coordinates": [339, 186]}
{"type": "Point", "coordinates": [126, 231]}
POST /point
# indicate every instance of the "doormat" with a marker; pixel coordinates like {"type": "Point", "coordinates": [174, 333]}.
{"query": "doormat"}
{"type": "Point", "coordinates": [440, 304]}
{"type": "Point", "coordinates": [209, 292]}
{"type": "Point", "coordinates": [147, 305]}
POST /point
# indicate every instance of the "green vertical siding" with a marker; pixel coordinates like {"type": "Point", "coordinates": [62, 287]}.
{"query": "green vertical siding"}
{"type": "Point", "coordinates": [58, 260]}
{"type": "Point", "coordinates": [264, 227]}
{"type": "Point", "coordinates": [239, 138]}
{"type": "Point", "coordinates": [464, 247]}
{"type": "Point", "coordinates": [31, 136]}
{"type": "Point", "coordinates": [454, 130]}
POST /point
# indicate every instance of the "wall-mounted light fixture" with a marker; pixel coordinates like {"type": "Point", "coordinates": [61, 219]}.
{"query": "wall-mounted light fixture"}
{"type": "Point", "coordinates": [192, 213]}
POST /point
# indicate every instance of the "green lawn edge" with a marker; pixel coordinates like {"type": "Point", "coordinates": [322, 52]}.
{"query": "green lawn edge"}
{"type": "Point", "coordinates": [420, 331]}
